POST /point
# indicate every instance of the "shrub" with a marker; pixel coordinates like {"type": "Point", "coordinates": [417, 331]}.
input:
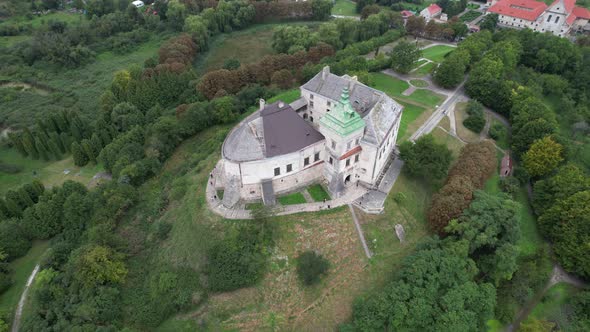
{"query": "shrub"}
{"type": "Point", "coordinates": [497, 131]}
{"type": "Point", "coordinates": [475, 123]}
{"type": "Point", "coordinates": [311, 266]}
{"type": "Point", "coordinates": [509, 185]}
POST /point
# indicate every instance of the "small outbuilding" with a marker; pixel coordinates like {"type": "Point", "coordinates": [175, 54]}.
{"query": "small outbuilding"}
{"type": "Point", "coordinates": [506, 166]}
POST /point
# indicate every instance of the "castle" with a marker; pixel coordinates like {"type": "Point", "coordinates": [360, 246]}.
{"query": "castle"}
{"type": "Point", "coordinates": [560, 18]}
{"type": "Point", "coordinates": [340, 132]}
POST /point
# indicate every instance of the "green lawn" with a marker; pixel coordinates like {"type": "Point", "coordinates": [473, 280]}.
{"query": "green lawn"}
{"type": "Point", "coordinates": [318, 193]}
{"type": "Point", "coordinates": [288, 96]}
{"type": "Point", "coordinates": [294, 198]}
{"type": "Point", "coordinates": [344, 8]}
{"type": "Point", "coordinates": [390, 85]}
{"type": "Point", "coordinates": [472, 6]}
{"type": "Point", "coordinates": [437, 53]}
{"type": "Point", "coordinates": [424, 70]}
{"type": "Point", "coordinates": [254, 206]}
{"type": "Point", "coordinates": [410, 114]}
{"type": "Point", "coordinates": [426, 97]}
{"type": "Point", "coordinates": [51, 173]}
{"type": "Point", "coordinates": [419, 83]}
{"type": "Point", "coordinates": [22, 268]}
{"type": "Point", "coordinates": [419, 63]}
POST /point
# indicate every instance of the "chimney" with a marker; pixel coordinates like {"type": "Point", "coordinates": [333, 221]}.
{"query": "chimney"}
{"type": "Point", "coordinates": [355, 78]}
{"type": "Point", "coordinates": [281, 104]}
{"type": "Point", "coordinates": [325, 72]}
{"type": "Point", "coordinates": [262, 103]}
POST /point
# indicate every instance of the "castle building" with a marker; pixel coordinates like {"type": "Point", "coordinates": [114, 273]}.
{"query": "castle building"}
{"type": "Point", "coordinates": [340, 132]}
{"type": "Point", "coordinates": [560, 18]}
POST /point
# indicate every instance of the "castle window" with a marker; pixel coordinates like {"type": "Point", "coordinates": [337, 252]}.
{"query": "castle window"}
{"type": "Point", "coordinates": [311, 104]}
{"type": "Point", "coordinates": [311, 118]}
{"type": "Point", "coordinates": [277, 171]}
{"type": "Point", "coordinates": [311, 96]}
{"type": "Point", "coordinates": [348, 145]}
{"type": "Point", "coordinates": [331, 161]}
{"type": "Point", "coordinates": [317, 156]}
{"type": "Point", "coordinates": [329, 104]}
{"type": "Point", "coordinates": [549, 18]}
{"type": "Point", "coordinates": [306, 161]}
{"type": "Point", "coordinates": [556, 19]}
{"type": "Point", "coordinates": [356, 158]}
{"type": "Point", "coordinates": [289, 168]}
{"type": "Point", "coordinates": [357, 141]}
{"type": "Point", "coordinates": [333, 145]}
{"type": "Point", "coordinates": [327, 110]}
{"type": "Point", "coordinates": [348, 162]}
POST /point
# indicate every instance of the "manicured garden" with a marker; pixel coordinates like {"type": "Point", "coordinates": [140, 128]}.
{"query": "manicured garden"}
{"type": "Point", "coordinates": [419, 83]}
{"type": "Point", "coordinates": [424, 70]}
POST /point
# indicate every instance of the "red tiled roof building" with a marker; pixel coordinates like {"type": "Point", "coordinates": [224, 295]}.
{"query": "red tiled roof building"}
{"type": "Point", "coordinates": [559, 18]}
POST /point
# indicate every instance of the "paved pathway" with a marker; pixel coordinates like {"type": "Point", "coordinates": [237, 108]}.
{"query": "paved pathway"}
{"type": "Point", "coordinates": [360, 231]}
{"type": "Point", "coordinates": [447, 106]}
{"type": "Point", "coordinates": [452, 121]}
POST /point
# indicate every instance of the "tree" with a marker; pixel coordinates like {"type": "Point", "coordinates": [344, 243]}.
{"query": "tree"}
{"type": "Point", "coordinates": [80, 157]}
{"type": "Point", "coordinates": [543, 156]}
{"type": "Point", "coordinates": [416, 25]}
{"type": "Point", "coordinates": [311, 266]}
{"type": "Point", "coordinates": [360, 4]}
{"type": "Point", "coordinates": [98, 265]}
{"type": "Point", "coordinates": [329, 34]}
{"type": "Point", "coordinates": [491, 227]}
{"type": "Point", "coordinates": [568, 180]}
{"type": "Point", "coordinates": [434, 291]}
{"type": "Point", "coordinates": [13, 238]}
{"type": "Point", "coordinates": [452, 70]}
{"type": "Point", "coordinates": [567, 225]}
{"type": "Point", "coordinates": [176, 14]}
{"type": "Point", "coordinates": [425, 158]}
{"type": "Point", "coordinates": [489, 22]}
{"type": "Point", "coordinates": [196, 26]}
{"type": "Point", "coordinates": [403, 56]}
{"type": "Point", "coordinates": [125, 116]}
{"type": "Point", "coordinates": [282, 78]}
{"type": "Point", "coordinates": [289, 39]}
{"type": "Point", "coordinates": [321, 9]}
{"type": "Point", "coordinates": [475, 121]}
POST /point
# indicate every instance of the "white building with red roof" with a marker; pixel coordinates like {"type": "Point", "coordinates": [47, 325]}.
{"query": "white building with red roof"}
{"type": "Point", "coordinates": [431, 12]}
{"type": "Point", "coordinates": [560, 18]}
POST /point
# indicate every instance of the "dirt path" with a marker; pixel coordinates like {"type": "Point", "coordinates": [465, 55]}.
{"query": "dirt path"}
{"type": "Point", "coordinates": [21, 303]}
{"type": "Point", "coordinates": [360, 231]}
{"type": "Point", "coordinates": [558, 275]}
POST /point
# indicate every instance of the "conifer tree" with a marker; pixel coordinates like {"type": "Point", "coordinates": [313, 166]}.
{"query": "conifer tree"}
{"type": "Point", "coordinates": [80, 158]}
{"type": "Point", "coordinates": [25, 197]}
{"type": "Point", "coordinates": [88, 150]}
{"type": "Point", "coordinates": [13, 208]}
{"type": "Point", "coordinates": [29, 143]}
{"type": "Point", "coordinates": [17, 141]}
{"type": "Point", "coordinates": [54, 137]}
{"type": "Point", "coordinates": [96, 143]}
{"type": "Point", "coordinates": [66, 140]}
{"type": "Point", "coordinates": [54, 150]}
{"type": "Point", "coordinates": [43, 150]}
{"type": "Point", "coordinates": [4, 212]}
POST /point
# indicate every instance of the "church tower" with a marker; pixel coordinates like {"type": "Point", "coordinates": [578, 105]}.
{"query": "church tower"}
{"type": "Point", "coordinates": [343, 129]}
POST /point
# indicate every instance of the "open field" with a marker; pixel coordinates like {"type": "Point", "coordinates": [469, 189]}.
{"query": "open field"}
{"type": "Point", "coordinates": [390, 85]}
{"type": "Point", "coordinates": [460, 116]}
{"type": "Point", "coordinates": [51, 173]}
{"type": "Point", "coordinates": [39, 20]}
{"type": "Point", "coordinates": [442, 137]}
{"type": "Point", "coordinates": [78, 88]}
{"type": "Point", "coordinates": [344, 8]}
{"type": "Point", "coordinates": [437, 53]}
{"type": "Point", "coordinates": [248, 46]}
{"type": "Point", "coordinates": [22, 268]}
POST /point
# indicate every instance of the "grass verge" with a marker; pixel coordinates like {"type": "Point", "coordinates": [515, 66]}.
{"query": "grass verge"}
{"type": "Point", "coordinates": [437, 53]}
{"type": "Point", "coordinates": [318, 193]}
{"type": "Point", "coordinates": [294, 198]}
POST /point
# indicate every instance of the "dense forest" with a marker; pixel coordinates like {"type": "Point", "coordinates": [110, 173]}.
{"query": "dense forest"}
{"type": "Point", "coordinates": [103, 272]}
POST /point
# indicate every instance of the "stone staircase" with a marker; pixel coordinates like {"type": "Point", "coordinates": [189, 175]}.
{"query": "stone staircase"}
{"type": "Point", "coordinates": [231, 194]}
{"type": "Point", "coordinates": [390, 159]}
